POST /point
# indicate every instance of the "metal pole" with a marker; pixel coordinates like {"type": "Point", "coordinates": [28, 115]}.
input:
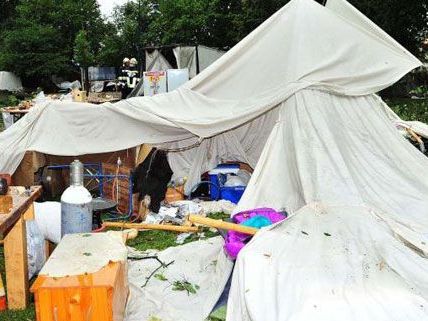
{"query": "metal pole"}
{"type": "Point", "coordinates": [197, 60]}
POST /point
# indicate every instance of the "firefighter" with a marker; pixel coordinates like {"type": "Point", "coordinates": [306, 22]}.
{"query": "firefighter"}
{"type": "Point", "coordinates": [129, 76]}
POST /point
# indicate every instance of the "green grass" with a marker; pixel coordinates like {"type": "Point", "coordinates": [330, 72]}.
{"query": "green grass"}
{"type": "Point", "coordinates": [410, 109]}
{"type": "Point", "coordinates": [157, 240]}
{"type": "Point", "coordinates": [160, 240]}
{"type": "Point", "coordinates": [9, 315]}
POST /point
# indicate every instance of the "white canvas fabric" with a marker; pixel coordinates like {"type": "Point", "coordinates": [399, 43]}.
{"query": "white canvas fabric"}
{"type": "Point", "coordinates": [207, 56]}
{"type": "Point", "coordinates": [186, 57]}
{"type": "Point", "coordinates": [9, 81]}
{"type": "Point", "coordinates": [88, 251]}
{"type": "Point", "coordinates": [303, 45]}
{"type": "Point", "coordinates": [155, 61]}
{"type": "Point", "coordinates": [202, 263]}
{"type": "Point", "coordinates": [329, 263]}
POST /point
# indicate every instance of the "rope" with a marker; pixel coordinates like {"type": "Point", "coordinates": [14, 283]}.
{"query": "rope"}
{"type": "Point", "coordinates": [182, 149]}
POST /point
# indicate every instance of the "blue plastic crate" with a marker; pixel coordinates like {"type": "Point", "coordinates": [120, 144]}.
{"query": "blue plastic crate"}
{"type": "Point", "coordinates": [218, 177]}
{"type": "Point", "coordinates": [232, 194]}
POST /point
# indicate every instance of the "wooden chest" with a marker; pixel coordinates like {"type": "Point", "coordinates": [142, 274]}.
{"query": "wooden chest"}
{"type": "Point", "coordinates": [99, 296]}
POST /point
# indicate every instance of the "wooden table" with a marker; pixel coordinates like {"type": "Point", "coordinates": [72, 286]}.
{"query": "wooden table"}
{"type": "Point", "coordinates": [16, 113]}
{"type": "Point", "coordinates": [13, 232]}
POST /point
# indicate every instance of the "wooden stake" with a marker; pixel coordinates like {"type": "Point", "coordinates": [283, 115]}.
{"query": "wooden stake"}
{"type": "Point", "coordinates": [144, 226]}
{"type": "Point", "coordinates": [222, 224]}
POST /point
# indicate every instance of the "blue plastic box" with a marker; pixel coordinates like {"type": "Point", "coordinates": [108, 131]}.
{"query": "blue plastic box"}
{"type": "Point", "coordinates": [218, 177]}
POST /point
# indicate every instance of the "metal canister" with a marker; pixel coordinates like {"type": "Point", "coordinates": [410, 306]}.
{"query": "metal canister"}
{"type": "Point", "coordinates": [76, 204]}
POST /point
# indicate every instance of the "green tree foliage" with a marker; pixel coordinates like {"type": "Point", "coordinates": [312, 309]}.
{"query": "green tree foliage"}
{"type": "Point", "coordinates": [83, 53]}
{"type": "Point", "coordinates": [7, 9]}
{"type": "Point", "coordinates": [405, 21]}
{"type": "Point", "coordinates": [39, 39]}
{"type": "Point", "coordinates": [128, 31]}
{"type": "Point", "coordinates": [197, 21]}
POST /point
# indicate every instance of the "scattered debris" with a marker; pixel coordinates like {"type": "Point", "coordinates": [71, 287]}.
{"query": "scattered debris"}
{"type": "Point", "coordinates": [181, 238]}
{"type": "Point", "coordinates": [327, 234]}
{"type": "Point", "coordinates": [160, 277]}
{"type": "Point", "coordinates": [185, 285]}
{"type": "Point", "coordinates": [303, 232]}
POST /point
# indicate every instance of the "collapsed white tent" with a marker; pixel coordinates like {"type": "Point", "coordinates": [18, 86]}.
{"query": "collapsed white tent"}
{"type": "Point", "coordinates": [322, 146]}
{"type": "Point", "coordinates": [304, 45]}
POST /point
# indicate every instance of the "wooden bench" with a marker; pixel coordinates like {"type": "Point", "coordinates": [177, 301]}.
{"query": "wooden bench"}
{"type": "Point", "coordinates": [14, 235]}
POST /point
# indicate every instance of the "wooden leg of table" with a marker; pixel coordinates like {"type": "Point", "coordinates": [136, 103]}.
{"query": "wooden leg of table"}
{"type": "Point", "coordinates": [29, 213]}
{"type": "Point", "coordinates": [15, 253]}
{"type": "Point", "coordinates": [49, 248]}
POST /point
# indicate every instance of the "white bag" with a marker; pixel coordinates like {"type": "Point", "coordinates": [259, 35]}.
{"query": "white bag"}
{"type": "Point", "coordinates": [36, 251]}
{"type": "Point", "coordinates": [48, 218]}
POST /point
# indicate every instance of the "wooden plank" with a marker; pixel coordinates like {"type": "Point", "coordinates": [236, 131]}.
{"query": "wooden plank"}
{"type": "Point", "coordinates": [20, 205]}
{"type": "Point", "coordinates": [222, 224]}
{"type": "Point", "coordinates": [29, 213]}
{"type": "Point", "coordinates": [144, 226]}
{"type": "Point", "coordinates": [91, 297]}
{"type": "Point", "coordinates": [15, 253]}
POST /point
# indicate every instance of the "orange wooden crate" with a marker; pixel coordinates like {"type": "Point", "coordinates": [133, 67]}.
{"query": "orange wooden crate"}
{"type": "Point", "coordinates": [99, 296]}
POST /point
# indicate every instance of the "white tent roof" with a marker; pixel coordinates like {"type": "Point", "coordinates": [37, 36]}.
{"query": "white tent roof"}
{"type": "Point", "coordinates": [304, 45]}
{"type": "Point", "coordinates": [296, 98]}
{"type": "Point", "coordinates": [9, 81]}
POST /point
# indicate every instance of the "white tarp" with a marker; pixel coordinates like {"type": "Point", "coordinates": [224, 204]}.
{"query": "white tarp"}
{"type": "Point", "coordinates": [9, 81]}
{"type": "Point", "coordinates": [88, 251]}
{"type": "Point", "coordinates": [319, 50]}
{"type": "Point", "coordinates": [201, 263]}
{"type": "Point", "coordinates": [155, 61]}
{"type": "Point", "coordinates": [317, 133]}
{"type": "Point", "coordinates": [329, 264]}
{"type": "Point", "coordinates": [186, 57]}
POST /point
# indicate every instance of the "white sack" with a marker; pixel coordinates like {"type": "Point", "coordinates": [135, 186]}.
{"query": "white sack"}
{"type": "Point", "coordinates": [36, 251]}
{"type": "Point", "coordinates": [48, 218]}
{"type": "Point", "coordinates": [202, 263]}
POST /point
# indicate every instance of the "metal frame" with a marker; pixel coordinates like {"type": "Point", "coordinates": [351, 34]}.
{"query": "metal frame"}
{"type": "Point", "coordinates": [102, 178]}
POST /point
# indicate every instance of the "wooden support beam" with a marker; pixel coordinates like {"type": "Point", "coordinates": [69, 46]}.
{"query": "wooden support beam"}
{"type": "Point", "coordinates": [222, 224]}
{"type": "Point", "coordinates": [143, 226]}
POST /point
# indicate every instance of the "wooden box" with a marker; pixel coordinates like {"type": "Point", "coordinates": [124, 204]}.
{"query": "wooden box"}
{"type": "Point", "coordinates": [99, 296]}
